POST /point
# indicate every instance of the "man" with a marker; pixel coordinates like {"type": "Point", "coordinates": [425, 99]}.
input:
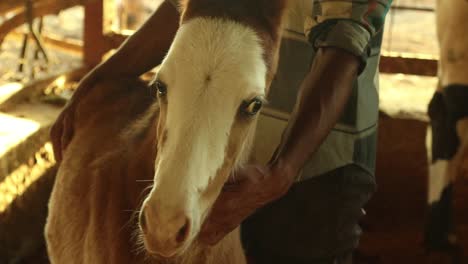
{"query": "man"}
{"type": "Point", "coordinates": [328, 145]}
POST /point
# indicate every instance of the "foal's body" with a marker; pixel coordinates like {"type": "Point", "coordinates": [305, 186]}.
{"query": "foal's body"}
{"type": "Point", "coordinates": [102, 179]}
{"type": "Point", "coordinates": [209, 91]}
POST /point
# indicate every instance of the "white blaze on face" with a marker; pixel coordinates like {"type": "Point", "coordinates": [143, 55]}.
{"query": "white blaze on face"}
{"type": "Point", "coordinates": [212, 67]}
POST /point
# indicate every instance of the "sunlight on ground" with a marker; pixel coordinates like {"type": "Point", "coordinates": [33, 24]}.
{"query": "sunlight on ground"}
{"type": "Point", "coordinates": [13, 130]}
{"type": "Point", "coordinates": [15, 184]}
{"type": "Point", "coordinates": [9, 89]}
{"type": "Point", "coordinates": [406, 95]}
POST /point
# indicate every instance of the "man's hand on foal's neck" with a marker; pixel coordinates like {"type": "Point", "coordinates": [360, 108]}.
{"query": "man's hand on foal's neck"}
{"type": "Point", "coordinates": [254, 187]}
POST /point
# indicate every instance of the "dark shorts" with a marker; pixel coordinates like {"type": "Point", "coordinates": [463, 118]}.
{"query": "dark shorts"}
{"type": "Point", "coordinates": [315, 222]}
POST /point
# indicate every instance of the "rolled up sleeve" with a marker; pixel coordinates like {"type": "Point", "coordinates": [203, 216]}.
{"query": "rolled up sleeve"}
{"type": "Point", "coordinates": [346, 24]}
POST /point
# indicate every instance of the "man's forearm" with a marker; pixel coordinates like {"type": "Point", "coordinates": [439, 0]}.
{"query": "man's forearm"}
{"type": "Point", "coordinates": [322, 98]}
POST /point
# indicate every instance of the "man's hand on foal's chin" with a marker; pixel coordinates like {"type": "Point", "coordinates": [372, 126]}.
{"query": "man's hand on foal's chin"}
{"type": "Point", "coordinates": [253, 187]}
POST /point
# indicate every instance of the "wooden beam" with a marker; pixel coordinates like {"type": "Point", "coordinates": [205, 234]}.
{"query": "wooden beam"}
{"type": "Point", "coordinates": [95, 43]}
{"type": "Point", "coordinates": [9, 5]}
{"type": "Point", "coordinates": [12, 5]}
{"type": "Point", "coordinates": [63, 42]}
{"type": "Point", "coordinates": [389, 62]}
{"type": "Point", "coordinates": [408, 64]}
{"type": "Point", "coordinates": [41, 8]}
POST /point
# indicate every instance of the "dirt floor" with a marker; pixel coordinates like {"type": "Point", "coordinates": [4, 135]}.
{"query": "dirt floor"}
{"type": "Point", "coordinates": [395, 218]}
{"type": "Point", "coordinates": [23, 209]}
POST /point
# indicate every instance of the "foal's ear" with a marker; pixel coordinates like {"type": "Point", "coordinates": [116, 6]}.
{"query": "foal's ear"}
{"type": "Point", "coordinates": [274, 8]}
{"type": "Point", "coordinates": [182, 4]}
{"type": "Point", "coordinates": [273, 11]}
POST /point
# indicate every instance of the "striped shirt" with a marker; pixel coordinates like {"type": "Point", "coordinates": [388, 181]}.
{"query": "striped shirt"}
{"type": "Point", "coordinates": [355, 26]}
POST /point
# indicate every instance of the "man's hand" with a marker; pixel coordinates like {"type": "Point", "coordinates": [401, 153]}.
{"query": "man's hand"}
{"type": "Point", "coordinates": [254, 187]}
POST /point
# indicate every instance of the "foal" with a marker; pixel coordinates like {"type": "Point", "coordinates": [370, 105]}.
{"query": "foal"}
{"type": "Point", "coordinates": [182, 145]}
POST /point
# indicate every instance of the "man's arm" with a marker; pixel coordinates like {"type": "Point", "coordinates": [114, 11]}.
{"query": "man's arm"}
{"type": "Point", "coordinates": [321, 101]}
{"type": "Point", "coordinates": [138, 54]}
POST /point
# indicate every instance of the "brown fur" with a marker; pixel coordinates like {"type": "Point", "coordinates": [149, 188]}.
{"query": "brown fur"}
{"type": "Point", "coordinates": [108, 167]}
{"type": "Point", "coordinates": [104, 184]}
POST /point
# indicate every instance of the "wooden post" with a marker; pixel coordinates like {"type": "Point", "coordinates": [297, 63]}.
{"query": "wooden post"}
{"type": "Point", "coordinates": [408, 65]}
{"type": "Point", "coordinates": [95, 44]}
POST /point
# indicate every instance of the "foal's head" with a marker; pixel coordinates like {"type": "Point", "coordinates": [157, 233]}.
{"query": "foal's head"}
{"type": "Point", "coordinates": [210, 88]}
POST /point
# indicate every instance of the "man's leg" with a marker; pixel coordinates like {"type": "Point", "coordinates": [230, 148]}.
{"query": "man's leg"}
{"type": "Point", "coordinates": [315, 223]}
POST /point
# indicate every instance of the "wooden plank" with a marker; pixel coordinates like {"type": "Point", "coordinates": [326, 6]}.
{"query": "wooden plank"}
{"type": "Point", "coordinates": [12, 5]}
{"type": "Point", "coordinates": [413, 64]}
{"type": "Point", "coordinates": [9, 5]}
{"type": "Point", "coordinates": [17, 93]}
{"type": "Point", "coordinates": [55, 40]}
{"type": "Point", "coordinates": [41, 8]}
{"type": "Point", "coordinates": [408, 64]}
{"type": "Point", "coordinates": [95, 43]}
{"type": "Point", "coordinates": [63, 42]}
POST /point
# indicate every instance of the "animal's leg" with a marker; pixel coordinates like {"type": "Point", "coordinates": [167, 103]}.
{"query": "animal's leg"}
{"type": "Point", "coordinates": [30, 20]}
{"type": "Point", "coordinates": [40, 26]}
{"type": "Point", "coordinates": [461, 158]}
{"type": "Point", "coordinates": [23, 52]}
{"type": "Point", "coordinates": [439, 229]}
{"type": "Point", "coordinates": [456, 97]}
{"type": "Point", "coordinates": [449, 160]}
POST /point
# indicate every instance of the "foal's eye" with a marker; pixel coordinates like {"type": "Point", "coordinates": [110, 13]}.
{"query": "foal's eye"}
{"type": "Point", "coordinates": [160, 88]}
{"type": "Point", "coordinates": [251, 107]}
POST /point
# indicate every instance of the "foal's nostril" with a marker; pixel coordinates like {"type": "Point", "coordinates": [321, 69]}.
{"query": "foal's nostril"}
{"type": "Point", "coordinates": [183, 233]}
